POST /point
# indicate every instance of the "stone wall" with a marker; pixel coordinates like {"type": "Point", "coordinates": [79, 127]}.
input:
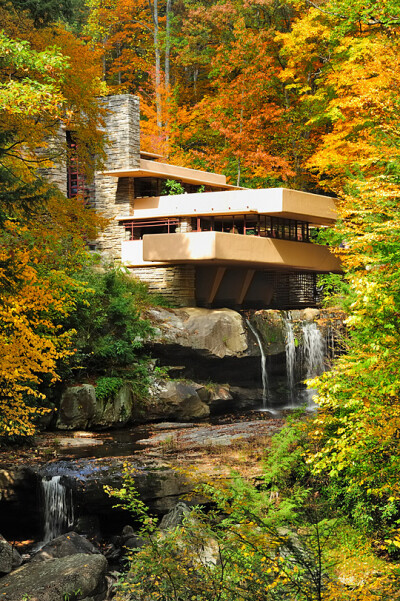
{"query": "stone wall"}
{"type": "Point", "coordinates": [113, 196]}
{"type": "Point", "coordinates": [57, 174]}
{"type": "Point", "coordinates": [176, 282]}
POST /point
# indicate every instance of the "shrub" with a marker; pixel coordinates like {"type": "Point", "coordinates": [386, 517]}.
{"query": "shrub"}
{"type": "Point", "coordinates": [110, 332]}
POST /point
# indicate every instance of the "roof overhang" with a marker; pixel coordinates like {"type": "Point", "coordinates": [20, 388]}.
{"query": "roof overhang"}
{"type": "Point", "coordinates": [150, 155]}
{"type": "Point", "coordinates": [281, 202]}
{"type": "Point", "coordinates": [183, 174]}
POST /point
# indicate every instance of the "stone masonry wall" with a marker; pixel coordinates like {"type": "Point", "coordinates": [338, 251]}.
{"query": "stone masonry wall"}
{"type": "Point", "coordinates": [176, 282]}
{"type": "Point", "coordinates": [113, 196]}
{"type": "Point", "coordinates": [57, 174]}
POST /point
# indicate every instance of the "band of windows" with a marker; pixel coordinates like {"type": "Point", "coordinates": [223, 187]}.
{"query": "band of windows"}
{"type": "Point", "coordinates": [249, 225]}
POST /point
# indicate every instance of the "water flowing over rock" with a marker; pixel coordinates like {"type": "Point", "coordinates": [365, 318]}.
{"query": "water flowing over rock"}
{"type": "Point", "coordinates": [221, 346]}
{"type": "Point", "coordinates": [314, 350]}
{"type": "Point", "coordinates": [307, 337]}
{"type": "Point", "coordinates": [264, 374]}
{"type": "Point", "coordinates": [58, 508]}
{"type": "Point", "coordinates": [290, 352]}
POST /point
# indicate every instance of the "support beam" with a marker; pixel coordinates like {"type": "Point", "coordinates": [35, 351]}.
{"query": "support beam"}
{"type": "Point", "coordinates": [248, 278]}
{"type": "Point", "coordinates": [219, 274]}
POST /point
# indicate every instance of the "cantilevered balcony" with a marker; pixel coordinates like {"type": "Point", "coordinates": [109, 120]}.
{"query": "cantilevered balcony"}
{"type": "Point", "coordinates": [227, 249]}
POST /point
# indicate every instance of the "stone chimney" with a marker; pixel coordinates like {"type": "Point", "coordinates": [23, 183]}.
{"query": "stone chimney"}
{"type": "Point", "coordinates": [111, 196]}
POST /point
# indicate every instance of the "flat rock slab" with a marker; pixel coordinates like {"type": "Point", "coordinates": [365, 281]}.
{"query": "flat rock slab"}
{"type": "Point", "coordinates": [212, 435]}
{"type": "Point", "coordinates": [77, 576]}
{"type": "Point", "coordinates": [174, 426]}
{"type": "Point", "coordinates": [79, 442]}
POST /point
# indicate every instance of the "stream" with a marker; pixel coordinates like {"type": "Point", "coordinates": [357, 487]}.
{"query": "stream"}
{"type": "Point", "coordinates": [67, 489]}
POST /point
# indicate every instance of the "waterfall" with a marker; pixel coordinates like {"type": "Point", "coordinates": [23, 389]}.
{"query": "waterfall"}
{"type": "Point", "coordinates": [290, 350]}
{"type": "Point", "coordinates": [58, 508]}
{"type": "Point", "coordinates": [314, 350]}
{"type": "Point", "coordinates": [264, 374]}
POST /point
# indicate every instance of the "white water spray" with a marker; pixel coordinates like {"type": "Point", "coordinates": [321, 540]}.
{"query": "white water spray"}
{"type": "Point", "coordinates": [264, 375]}
{"type": "Point", "coordinates": [314, 351]}
{"type": "Point", "coordinates": [58, 508]}
{"type": "Point", "coordinates": [290, 350]}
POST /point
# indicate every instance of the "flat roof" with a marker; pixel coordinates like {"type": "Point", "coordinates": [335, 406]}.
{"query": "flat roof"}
{"type": "Point", "coordinates": [184, 174]}
{"type": "Point", "coordinates": [282, 202]}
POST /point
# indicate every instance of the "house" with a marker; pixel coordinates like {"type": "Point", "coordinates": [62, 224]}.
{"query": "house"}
{"type": "Point", "coordinates": [223, 246]}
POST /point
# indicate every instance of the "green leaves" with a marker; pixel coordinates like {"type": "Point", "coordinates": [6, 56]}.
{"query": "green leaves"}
{"type": "Point", "coordinates": [20, 92]}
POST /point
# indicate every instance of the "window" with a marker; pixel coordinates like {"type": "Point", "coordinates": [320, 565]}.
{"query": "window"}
{"type": "Point", "coordinates": [75, 178]}
{"type": "Point", "coordinates": [135, 230]}
{"type": "Point", "coordinates": [148, 186]}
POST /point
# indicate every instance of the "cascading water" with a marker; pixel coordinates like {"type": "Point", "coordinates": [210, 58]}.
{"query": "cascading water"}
{"type": "Point", "coordinates": [58, 508]}
{"type": "Point", "coordinates": [264, 374]}
{"type": "Point", "coordinates": [314, 352]}
{"type": "Point", "coordinates": [290, 350]}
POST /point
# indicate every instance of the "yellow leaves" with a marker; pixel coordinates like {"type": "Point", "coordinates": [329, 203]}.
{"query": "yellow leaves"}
{"type": "Point", "coordinates": [32, 300]}
{"type": "Point", "coordinates": [304, 46]}
{"type": "Point", "coordinates": [365, 97]}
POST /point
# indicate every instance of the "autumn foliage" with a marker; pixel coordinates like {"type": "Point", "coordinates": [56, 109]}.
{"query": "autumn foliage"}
{"type": "Point", "coordinates": [301, 94]}
{"type": "Point", "coordinates": [42, 235]}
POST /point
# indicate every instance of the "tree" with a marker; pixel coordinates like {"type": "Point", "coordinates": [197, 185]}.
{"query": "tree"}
{"type": "Point", "coordinates": [355, 440]}
{"type": "Point", "coordinates": [42, 234]}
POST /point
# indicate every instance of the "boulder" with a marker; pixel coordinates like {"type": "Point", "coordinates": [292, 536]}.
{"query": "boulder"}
{"type": "Point", "coordinates": [130, 539]}
{"type": "Point", "coordinates": [114, 412]}
{"type": "Point", "coordinates": [220, 398]}
{"type": "Point", "coordinates": [245, 398]}
{"type": "Point", "coordinates": [77, 407]}
{"type": "Point", "coordinates": [16, 559]}
{"type": "Point", "coordinates": [214, 333]}
{"type": "Point", "coordinates": [175, 516]}
{"type": "Point", "coordinates": [80, 409]}
{"type": "Point", "coordinates": [70, 543]}
{"type": "Point", "coordinates": [76, 576]}
{"type": "Point", "coordinates": [6, 556]}
{"type": "Point", "coordinates": [178, 400]}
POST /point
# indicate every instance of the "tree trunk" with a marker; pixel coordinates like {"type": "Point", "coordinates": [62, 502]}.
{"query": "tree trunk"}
{"type": "Point", "coordinates": [154, 14]}
{"type": "Point", "coordinates": [167, 66]}
{"type": "Point", "coordinates": [240, 141]}
{"type": "Point", "coordinates": [168, 44]}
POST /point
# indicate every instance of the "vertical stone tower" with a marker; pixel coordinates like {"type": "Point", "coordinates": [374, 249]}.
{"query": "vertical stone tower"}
{"type": "Point", "coordinates": [113, 197]}
{"type": "Point", "coordinates": [110, 196]}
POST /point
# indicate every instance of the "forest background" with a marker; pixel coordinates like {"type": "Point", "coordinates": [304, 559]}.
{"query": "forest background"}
{"type": "Point", "coordinates": [301, 94]}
